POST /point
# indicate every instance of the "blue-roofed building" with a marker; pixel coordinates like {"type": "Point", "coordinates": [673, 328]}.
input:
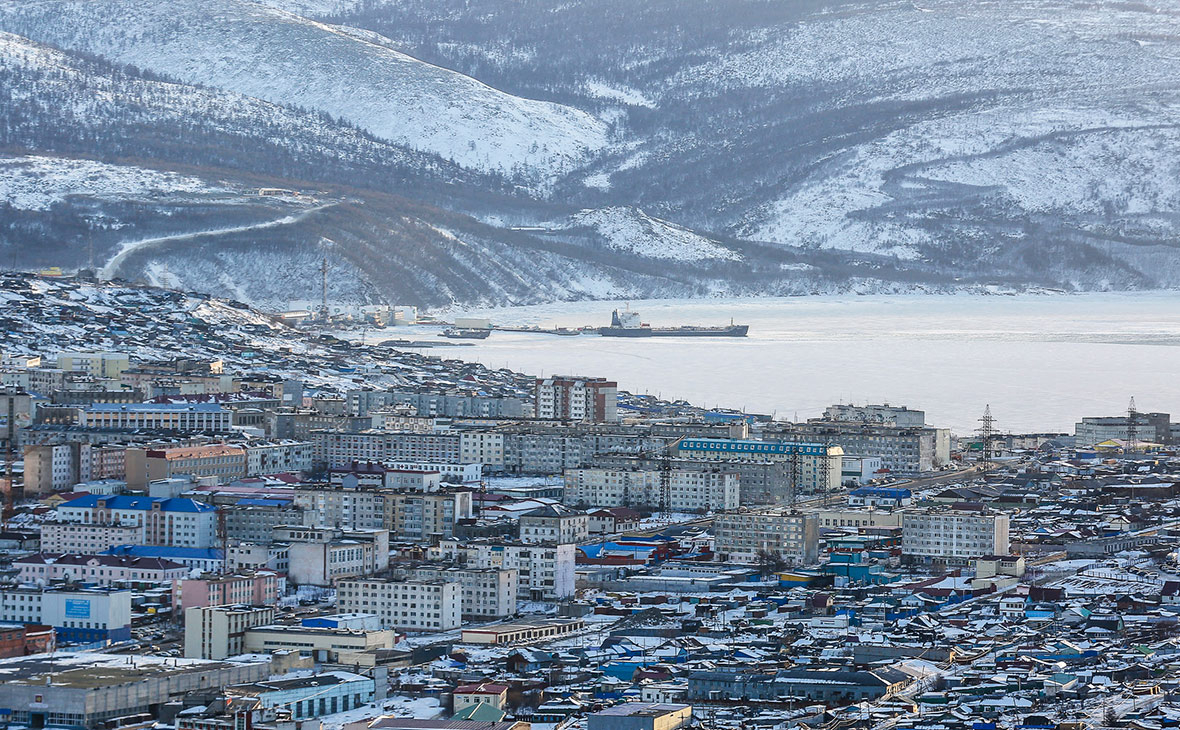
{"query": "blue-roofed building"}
{"type": "Point", "coordinates": [818, 466]}
{"type": "Point", "coordinates": [203, 559]}
{"type": "Point", "coordinates": [200, 417]}
{"type": "Point", "coordinates": [175, 522]}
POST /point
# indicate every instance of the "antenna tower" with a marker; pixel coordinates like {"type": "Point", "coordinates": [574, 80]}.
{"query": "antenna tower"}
{"type": "Point", "coordinates": [1132, 425]}
{"type": "Point", "coordinates": [987, 432]}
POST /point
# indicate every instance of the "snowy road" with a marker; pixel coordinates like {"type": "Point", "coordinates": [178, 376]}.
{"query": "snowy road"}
{"type": "Point", "coordinates": [127, 248]}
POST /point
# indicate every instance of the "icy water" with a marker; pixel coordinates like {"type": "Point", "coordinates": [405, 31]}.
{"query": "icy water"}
{"type": "Point", "coordinates": [1041, 361]}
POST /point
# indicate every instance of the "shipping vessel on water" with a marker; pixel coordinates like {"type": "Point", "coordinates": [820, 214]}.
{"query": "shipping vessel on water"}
{"type": "Point", "coordinates": [455, 333]}
{"type": "Point", "coordinates": [628, 324]}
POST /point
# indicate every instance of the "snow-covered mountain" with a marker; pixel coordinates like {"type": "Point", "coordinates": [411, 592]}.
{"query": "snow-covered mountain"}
{"type": "Point", "coordinates": [352, 74]}
{"type": "Point", "coordinates": [495, 152]}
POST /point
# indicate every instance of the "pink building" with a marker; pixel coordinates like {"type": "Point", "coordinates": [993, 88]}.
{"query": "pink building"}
{"type": "Point", "coordinates": [257, 588]}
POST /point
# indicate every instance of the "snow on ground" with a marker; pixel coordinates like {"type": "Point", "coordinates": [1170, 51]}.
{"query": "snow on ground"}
{"type": "Point", "coordinates": [633, 231]}
{"type": "Point", "coordinates": [422, 708]}
{"type": "Point", "coordinates": [511, 482]}
{"type": "Point", "coordinates": [622, 94]}
{"type": "Point", "coordinates": [659, 519]}
{"type": "Point", "coordinates": [36, 182]}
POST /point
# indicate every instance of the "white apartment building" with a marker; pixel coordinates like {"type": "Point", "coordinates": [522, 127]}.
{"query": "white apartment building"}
{"type": "Point", "coordinates": [414, 516]}
{"type": "Point", "coordinates": [564, 398]}
{"type": "Point", "coordinates": [485, 448]}
{"type": "Point", "coordinates": [321, 556]}
{"type": "Point", "coordinates": [217, 632]}
{"type": "Point", "coordinates": [556, 524]}
{"type": "Point", "coordinates": [47, 567]}
{"type": "Point", "coordinates": [276, 457]}
{"type": "Point", "coordinates": [338, 645]}
{"type": "Point", "coordinates": [829, 518]}
{"type": "Point", "coordinates": [741, 536]}
{"type": "Point", "coordinates": [953, 535]}
{"type": "Point", "coordinates": [546, 572]}
{"type": "Point", "coordinates": [340, 448]}
{"type": "Point", "coordinates": [884, 414]}
{"type": "Point", "coordinates": [463, 473]}
{"type": "Point", "coordinates": [488, 593]}
{"type": "Point", "coordinates": [177, 522]}
{"type": "Point", "coordinates": [405, 605]}
{"type": "Point", "coordinates": [1149, 427]}
{"type": "Point", "coordinates": [687, 489]}
{"type": "Point", "coordinates": [72, 537]}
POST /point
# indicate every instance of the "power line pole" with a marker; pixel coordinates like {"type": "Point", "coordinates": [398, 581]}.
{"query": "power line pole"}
{"type": "Point", "coordinates": [1132, 426]}
{"type": "Point", "coordinates": [987, 432]}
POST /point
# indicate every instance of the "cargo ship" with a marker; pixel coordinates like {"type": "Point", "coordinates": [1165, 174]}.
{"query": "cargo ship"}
{"type": "Point", "coordinates": [456, 333]}
{"type": "Point", "coordinates": [628, 324]}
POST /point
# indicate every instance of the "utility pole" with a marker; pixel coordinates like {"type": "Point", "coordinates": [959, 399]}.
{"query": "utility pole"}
{"type": "Point", "coordinates": [324, 287]}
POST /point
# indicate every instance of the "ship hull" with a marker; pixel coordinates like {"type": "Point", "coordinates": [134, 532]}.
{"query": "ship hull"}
{"type": "Point", "coordinates": [734, 331]}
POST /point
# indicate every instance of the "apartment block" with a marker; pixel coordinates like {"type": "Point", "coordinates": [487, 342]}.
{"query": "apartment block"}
{"type": "Point", "coordinates": [487, 593]}
{"type": "Point", "coordinates": [412, 516]}
{"type": "Point", "coordinates": [217, 632]}
{"type": "Point", "coordinates": [56, 467]}
{"type": "Point", "coordinates": [713, 489]}
{"type": "Point", "coordinates": [198, 417]}
{"type": "Point", "coordinates": [546, 572]}
{"type": "Point", "coordinates": [761, 482]}
{"type": "Point", "coordinates": [902, 449]}
{"type": "Point", "coordinates": [88, 539]}
{"type": "Point", "coordinates": [251, 588]}
{"type": "Point", "coordinates": [882, 414]}
{"type": "Point", "coordinates": [340, 448]}
{"type": "Point", "coordinates": [223, 462]}
{"type": "Point", "coordinates": [485, 448]}
{"type": "Point", "coordinates": [253, 520]}
{"type": "Point", "coordinates": [323, 556]}
{"type": "Point", "coordinates": [459, 405]}
{"type": "Point", "coordinates": [554, 523]}
{"type": "Point", "coordinates": [333, 644]}
{"type": "Point", "coordinates": [856, 518]}
{"type": "Point", "coordinates": [464, 473]}
{"type": "Point", "coordinates": [1148, 427]}
{"type": "Point", "coordinates": [814, 467]}
{"type": "Point", "coordinates": [741, 536]}
{"type": "Point", "coordinates": [565, 398]}
{"type": "Point", "coordinates": [404, 604]}
{"type": "Point", "coordinates": [105, 365]}
{"type": "Point", "coordinates": [48, 567]}
{"type": "Point", "coordinates": [278, 457]}
{"type": "Point", "coordinates": [953, 535]}
{"type": "Point", "coordinates": [376, 475]}
{"type": "Point", "coordinates": [175, 522]}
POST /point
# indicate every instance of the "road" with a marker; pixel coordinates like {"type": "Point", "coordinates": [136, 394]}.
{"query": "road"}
{"type": "Point", "coordinates": [127, 248]}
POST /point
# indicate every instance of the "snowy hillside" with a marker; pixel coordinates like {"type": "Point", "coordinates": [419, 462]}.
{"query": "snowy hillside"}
{"type": "Point", "coordinates": [631, 231]}
{"type": "Point", "coordinates": [36, 183]}
{"type": "Point", "coordinates": [483, 151]}
{"type": "Point", "coordinates": [354, 75]}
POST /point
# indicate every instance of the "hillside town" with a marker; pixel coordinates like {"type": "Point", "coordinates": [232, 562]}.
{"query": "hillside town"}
{"type": "Point", "coordinates": [213, 520]}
